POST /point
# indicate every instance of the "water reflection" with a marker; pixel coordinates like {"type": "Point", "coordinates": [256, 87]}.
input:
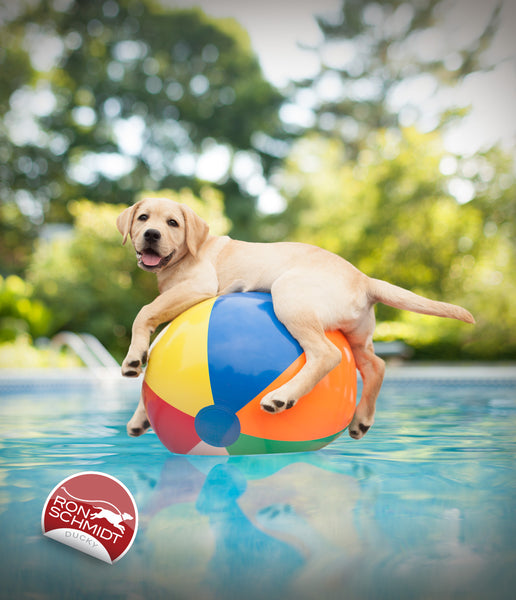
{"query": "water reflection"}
{"type": "Point", "coordinates": [256, 523]}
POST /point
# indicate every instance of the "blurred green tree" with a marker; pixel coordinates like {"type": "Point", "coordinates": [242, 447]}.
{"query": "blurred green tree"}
{"type": "Point", "coordinates": [387, 64]}
{"type": "Point", "coordinates": [104, 99]}
{"type": "Point", "coordinates": [20, 312]}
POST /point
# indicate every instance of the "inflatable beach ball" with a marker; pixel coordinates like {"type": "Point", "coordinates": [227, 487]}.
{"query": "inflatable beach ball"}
{"type": "Point", "coordinates": [211, 366]}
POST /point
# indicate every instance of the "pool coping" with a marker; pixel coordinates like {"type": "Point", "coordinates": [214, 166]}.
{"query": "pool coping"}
{"type": "Point", "coordinates": [450, 372]}
{"type": "Point", "coordinates": [26, 380]}
{"type": "Point", "coordinates": [19, 380]}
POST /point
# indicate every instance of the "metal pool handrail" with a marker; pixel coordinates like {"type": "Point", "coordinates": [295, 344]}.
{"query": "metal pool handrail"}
{"type": "Point", "coordinates": [87, 347]}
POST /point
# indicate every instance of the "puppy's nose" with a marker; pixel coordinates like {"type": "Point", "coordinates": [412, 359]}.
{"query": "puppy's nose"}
{"type": "Point", "coordinates": [152, 235]}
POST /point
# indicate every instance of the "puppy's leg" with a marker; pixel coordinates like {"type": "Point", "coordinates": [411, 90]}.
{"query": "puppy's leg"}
{"type": "Point", "coordinates": [372, 370]}
{"type": "Point", "coordinates": [144, 326]}
{"type": "Point", "coordinates": [164, 308]}
{"type": "Point", "coordinates": [139, 422]}
{"type": "Point", "coordinates": [321, 357]}
{"type": "Point", "coordinates": [304, 325]}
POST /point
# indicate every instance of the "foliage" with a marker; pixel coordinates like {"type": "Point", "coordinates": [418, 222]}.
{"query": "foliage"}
{"type": "Point", "coordinates": [390, 213]}
{"type": "Point", "coordinates": [90, 282]}
{"type": "Point", "coordinates": [102, 100]}
{"type": "Point", "coordinates": [20, 312]}
{"type": "Point", "coordinates": [381, 61]}
{"type": "Point", "coordinates": [17, 235]}
{"type": "Point", "coordinates": [21, 353]}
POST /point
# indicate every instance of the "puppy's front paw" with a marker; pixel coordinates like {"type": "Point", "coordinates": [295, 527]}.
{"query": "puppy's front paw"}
{"type": "Point", "coordinates": [132, 366]}
{"type": "Point", "coordinates": [137, 427]}
{"type": "Point", "coordinates": [275, 403]}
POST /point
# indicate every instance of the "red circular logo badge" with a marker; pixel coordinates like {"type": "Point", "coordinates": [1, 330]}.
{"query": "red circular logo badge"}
{"type": "Point", "coordinates": [92, 512]}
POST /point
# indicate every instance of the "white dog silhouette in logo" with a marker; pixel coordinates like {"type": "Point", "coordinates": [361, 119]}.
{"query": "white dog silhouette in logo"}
{"type": "Point", "coordinates": [115, 518]}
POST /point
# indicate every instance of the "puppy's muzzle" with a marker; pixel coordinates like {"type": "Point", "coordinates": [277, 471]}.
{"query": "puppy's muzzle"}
{"type": "Point", "coordinates": [149, 258]}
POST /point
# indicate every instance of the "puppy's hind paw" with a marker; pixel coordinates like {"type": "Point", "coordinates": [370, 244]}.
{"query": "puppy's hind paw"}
{"type": "Point", "coordinates": [357, 430]}
{"type": "Point", "coordinates": [273, 403]}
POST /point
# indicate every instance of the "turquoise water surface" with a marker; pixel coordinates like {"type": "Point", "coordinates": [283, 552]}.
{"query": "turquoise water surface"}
{"type": "Point", "coordinates": [423, 507]}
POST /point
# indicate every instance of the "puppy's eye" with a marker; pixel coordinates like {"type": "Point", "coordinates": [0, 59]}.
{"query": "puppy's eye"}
{"type": "Point", "coordinates": [172, 223]}
{"type": "Point", "coordinates": [143, 217]}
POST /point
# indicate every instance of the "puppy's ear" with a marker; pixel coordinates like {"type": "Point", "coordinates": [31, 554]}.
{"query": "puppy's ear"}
{"type": "Point", "coordinates": [196, 230]}
{"type": "Point", "coordinates": [124, 221]}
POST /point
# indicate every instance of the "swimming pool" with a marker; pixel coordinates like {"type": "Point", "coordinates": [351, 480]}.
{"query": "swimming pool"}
{"type": "Point", "coordinates": [423, 507]}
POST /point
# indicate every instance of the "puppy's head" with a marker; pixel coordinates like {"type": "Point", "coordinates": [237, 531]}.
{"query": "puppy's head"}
{"type": "Point", "coordinates": [162, 231]}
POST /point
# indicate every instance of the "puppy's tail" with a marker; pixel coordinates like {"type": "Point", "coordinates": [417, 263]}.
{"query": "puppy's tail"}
{"type": "Point", "coordinates": [392, 295]}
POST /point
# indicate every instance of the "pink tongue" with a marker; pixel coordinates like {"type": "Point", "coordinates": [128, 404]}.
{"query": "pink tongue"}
{"type": "Point", "coordinates": [150, 259]}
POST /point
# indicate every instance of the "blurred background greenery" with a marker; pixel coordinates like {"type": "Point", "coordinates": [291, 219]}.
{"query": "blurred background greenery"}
{"type": "Point", "coordinates": [103, 101]}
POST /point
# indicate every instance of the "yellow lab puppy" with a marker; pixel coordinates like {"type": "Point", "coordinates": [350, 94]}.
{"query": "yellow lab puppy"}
{"type": "Point", "coordinates": [312, 291]}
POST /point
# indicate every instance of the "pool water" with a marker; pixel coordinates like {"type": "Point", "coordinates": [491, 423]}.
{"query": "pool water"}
{"type": "Point", "coordinates": [423, 507]}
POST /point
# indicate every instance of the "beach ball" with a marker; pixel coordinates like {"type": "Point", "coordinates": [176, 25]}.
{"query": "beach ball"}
{"type": "Point", "coordinates": [210, 367]}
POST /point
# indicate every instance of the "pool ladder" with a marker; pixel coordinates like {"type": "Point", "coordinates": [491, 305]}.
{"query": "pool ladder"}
{"type": "Point", "coordinates": [88, 348]}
